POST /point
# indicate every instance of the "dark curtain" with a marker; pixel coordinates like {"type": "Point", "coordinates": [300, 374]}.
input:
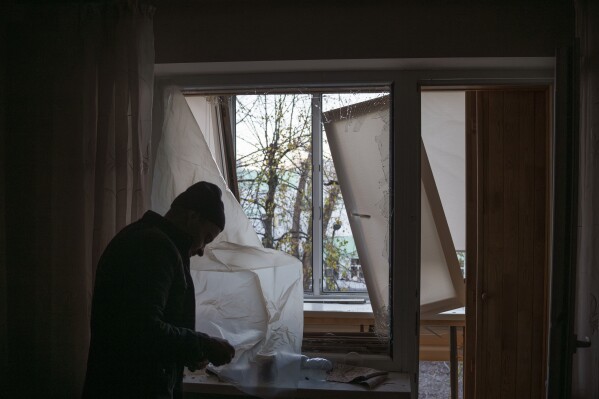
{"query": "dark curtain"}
{"type": "Point", "coordinates": [79, 83]}
{"type": "Point", "coordinates": [585, 383]}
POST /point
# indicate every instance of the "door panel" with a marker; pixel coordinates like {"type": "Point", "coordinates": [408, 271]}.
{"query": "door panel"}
{"type": "Point", "coordinates": [508, 197]}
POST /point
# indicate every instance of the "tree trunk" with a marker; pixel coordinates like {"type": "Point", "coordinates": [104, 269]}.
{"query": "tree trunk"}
{"type": "Point", "coordinates": [329, 205]}
{"type": "Point", "coordinates": [297, 206]}
{"type": "Point", "coordinates": [269, 215]}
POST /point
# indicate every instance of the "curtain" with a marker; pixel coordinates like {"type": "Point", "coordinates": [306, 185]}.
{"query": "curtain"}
{"type": "Point", "coordinates": [586, 362]}
{"type": "Point", "coordinates": [183, 158]}
{"type": "Point", "coordinates": [213, 115]}
{"type": "Point", "coordinates": [206, 111]}
{"type": "Point", "coordinates": [226, 109]}
{"type": "Point", "coordinates": [78, 132]}
{"type": "Point", "coordinates": [3, 287]}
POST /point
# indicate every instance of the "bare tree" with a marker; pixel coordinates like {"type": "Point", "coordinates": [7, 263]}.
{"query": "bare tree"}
{"type": "Point", "coordinates": [274, 166]}
{"type": "Point", "coordinates": [274, 169]}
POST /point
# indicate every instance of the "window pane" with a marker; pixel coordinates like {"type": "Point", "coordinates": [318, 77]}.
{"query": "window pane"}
{"type": "Point", "coordinates": [342, 265]}
{"type": "Point", "coordinates": [274, 169]}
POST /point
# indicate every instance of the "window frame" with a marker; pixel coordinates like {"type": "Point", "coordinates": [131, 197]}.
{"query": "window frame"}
{"type": "Point", "coordinates": [405, 77]}
{"type": "Point", "coordinates": [318, 294]}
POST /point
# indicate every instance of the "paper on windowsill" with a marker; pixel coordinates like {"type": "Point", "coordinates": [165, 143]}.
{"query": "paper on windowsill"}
{"type": "Point", "coordinates": [357, 375]}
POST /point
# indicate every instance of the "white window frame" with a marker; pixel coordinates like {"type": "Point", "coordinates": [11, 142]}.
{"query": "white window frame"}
{"type": "Point", "coordinates": [404, 76]}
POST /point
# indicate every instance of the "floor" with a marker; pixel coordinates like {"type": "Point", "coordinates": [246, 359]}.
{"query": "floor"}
{"type": "Point", "coordinates": [434, 381]}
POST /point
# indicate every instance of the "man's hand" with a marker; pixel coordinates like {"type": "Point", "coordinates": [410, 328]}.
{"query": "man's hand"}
{"type": "Point", "coordinates": [199, 365]}
{"type": "Point", "coordinates": [219, 351]}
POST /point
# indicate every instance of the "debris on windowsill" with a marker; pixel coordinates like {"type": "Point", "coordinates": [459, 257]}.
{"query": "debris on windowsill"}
{"type": "Point", "coordinates": [195, 373]}
{"type": "Point", "coordinates": [357, 375]}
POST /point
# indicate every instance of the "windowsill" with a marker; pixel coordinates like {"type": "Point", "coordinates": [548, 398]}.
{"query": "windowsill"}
{"type": "Point", "coordinates": [396, 386]}
{"type": "Point", "coordinates": [337, 317]}
{"type": "Point", "coordinates": [455, 317]}
{"type": "Point", "coordinates": [353, 309]}
{"type": "Point", "coordinates": [336, 328]}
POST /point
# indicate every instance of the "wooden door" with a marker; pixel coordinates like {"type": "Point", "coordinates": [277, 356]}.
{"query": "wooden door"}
{"type": "Point", "coordinates": [507, 242]}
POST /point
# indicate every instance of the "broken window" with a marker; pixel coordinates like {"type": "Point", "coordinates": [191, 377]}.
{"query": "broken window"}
{"type": "Point", "coordinates": [313, 170]}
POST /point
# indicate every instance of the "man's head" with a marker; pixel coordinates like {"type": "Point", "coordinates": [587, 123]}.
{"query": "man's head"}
{"type": "Point", "coordinates": [200, 211]}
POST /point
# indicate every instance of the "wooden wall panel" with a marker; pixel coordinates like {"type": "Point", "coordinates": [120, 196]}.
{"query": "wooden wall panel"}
{"type": "Point", "coordinates": [507, 265]}
{"type": "Point", "coordinates": [511, 179]}
{"type": "Point", "coordinates": [473, 314]}
{"type": "Point", "coordinates": [493, 249]}
{"type": "Point", "coordinates": [525, 208]}
{"type": "Point", "coordinates": [585, 383]}
{"type": "Point", "coordinates": [540, 281]}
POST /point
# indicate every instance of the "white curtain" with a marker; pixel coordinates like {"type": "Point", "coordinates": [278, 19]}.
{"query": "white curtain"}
{"type": "Point", "coordinates": [206, 111]}
{"type": "Point", "coordinates": [79, 137]}
{"type": "Point", "coordinates": [183, 158]}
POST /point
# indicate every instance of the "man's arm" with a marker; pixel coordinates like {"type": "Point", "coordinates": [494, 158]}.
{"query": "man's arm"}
{"type": "Point", "coordinates": [154, 275]}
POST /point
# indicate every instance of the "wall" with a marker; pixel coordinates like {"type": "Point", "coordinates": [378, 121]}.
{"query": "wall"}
{"type": "Point", "coordinates": [239, 30]}
{"type": "Point", "coordinates": [586, 361]}
{"type": "Point", "coordinates": [3, 287]}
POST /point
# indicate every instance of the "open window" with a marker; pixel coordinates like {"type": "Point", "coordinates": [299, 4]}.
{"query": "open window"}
{"type": "Point", "coordinates": [413, 203]}
{"type": "Point", "coordinates": [359, 283]}
{"type": "Point", "coordinates": [313, 176]}
{"type": "Point", "coordinates": [314, 171]}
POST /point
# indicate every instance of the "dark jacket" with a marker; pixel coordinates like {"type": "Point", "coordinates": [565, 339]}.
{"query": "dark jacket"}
{"type": "Point", "coordinates": [143, 314]}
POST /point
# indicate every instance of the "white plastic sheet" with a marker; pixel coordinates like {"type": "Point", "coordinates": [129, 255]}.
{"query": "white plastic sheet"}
{"type": "Point", "coordinates": [247, 294]}
{"type": "Point", "coordinates": [358, 137]}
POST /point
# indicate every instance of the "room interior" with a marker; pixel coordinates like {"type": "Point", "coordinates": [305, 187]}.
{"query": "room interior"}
{"type": "Point", "coordinates": [57, 212]}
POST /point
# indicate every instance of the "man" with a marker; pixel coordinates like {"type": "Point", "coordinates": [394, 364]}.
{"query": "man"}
{"type": "Point", "coordinates": [143, 308]}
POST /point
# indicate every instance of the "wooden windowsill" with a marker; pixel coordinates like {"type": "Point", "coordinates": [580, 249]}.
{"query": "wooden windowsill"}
{"type": "Point", "coordinates": [338, 309]}
{"type": "Point", "coordinates": [397, 386]}
{"type": "Point", "coordinates": [337, 317]}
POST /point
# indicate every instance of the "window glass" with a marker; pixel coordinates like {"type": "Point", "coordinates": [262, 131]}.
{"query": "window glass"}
{"type": "Point", "coordinates": [274, 171]}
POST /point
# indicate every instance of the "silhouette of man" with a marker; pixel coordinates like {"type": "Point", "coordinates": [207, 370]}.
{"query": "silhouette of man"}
{"type": "Point", "coordinates": [143, 307]}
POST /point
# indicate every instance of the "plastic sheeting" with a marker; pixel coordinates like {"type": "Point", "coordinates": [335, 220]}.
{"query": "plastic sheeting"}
{"type": "Point", "coordinates": [358, 137]}
{"type": "Point", "coordinates": [247, 294]}
{"type": "Point", "coordinates": [359, 140]}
